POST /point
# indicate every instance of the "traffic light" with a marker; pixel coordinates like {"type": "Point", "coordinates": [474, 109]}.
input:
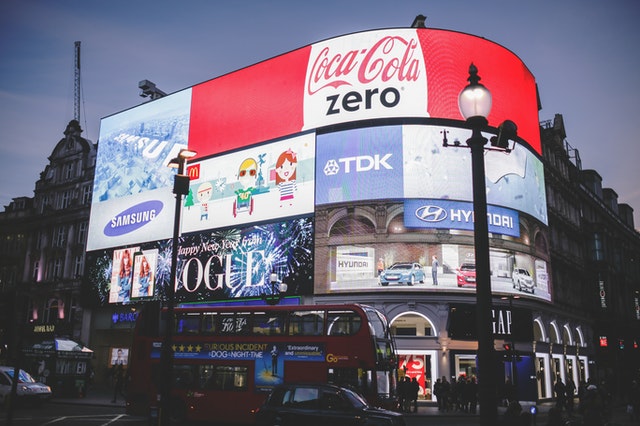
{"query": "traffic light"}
{"type": "Point", "coordinates": [510, 353]}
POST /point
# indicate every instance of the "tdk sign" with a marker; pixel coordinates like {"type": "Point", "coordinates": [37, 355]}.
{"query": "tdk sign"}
{"type": "Point", "coordinates": [133, 218]}
{"type": "Point", "coordinates": [444, 214]}
{"type": "Point", "coordinates": [359, 164]}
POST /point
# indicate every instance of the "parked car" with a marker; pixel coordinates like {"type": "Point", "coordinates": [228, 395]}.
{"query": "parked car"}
{"type": "Point", "coordinates": [523, 280]}
{"type": "Point", "coordinates": [317, 404]}
{"type": "Point", "coordinates": [28, 390]}
{"type": "Point", "coordinates": [403, 272]}
{"type": "Point", "coordinates": [466, 274]}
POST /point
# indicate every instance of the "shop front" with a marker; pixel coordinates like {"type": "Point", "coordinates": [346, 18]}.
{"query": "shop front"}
{"type": "Point", "coordinates": [61, 363]}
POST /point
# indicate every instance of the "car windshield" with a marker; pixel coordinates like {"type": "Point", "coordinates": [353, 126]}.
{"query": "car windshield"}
{"type": "Point", "coordinates": [468, 267]}
{"type": "Point", "coordinates": [355, 399]}
{"type": "Point", "coordinates": [523, 272]}
{"type": "Point", "coordinates": [23, 376]}
{"type": "Point", "coordinates": [401, 266]}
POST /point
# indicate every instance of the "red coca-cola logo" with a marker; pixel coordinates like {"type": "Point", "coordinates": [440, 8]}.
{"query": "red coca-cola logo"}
{"type": "Point", "coordinates": [392, 57]}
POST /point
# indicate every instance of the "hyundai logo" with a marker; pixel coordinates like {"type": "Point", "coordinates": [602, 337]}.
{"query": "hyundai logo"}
{"type": "Point", "coordinates": [431, 213]}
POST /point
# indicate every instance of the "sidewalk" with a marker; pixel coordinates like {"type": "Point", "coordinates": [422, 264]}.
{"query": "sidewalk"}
{"type": "Point", "coordinates": [100, 395]}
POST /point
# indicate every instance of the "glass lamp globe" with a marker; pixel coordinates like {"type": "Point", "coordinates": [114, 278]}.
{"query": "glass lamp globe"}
{"type": "Point", "coordinates": [475, 99]}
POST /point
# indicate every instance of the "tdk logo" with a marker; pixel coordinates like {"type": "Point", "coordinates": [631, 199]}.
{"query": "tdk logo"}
{"type": "Point", "coordinates": [361, 163]}
{"type": "Point", "coordinates": [431, 213]}
{"type": "Point", "coordinates": [133, 218]}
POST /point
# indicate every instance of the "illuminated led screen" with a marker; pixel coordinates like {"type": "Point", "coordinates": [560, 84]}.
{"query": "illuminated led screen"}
{"type": "Point", "coordinates": [274, 155]}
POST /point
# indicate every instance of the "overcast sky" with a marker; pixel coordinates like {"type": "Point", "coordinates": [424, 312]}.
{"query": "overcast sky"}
{"type": "Point", "coordinates": [583, 53]}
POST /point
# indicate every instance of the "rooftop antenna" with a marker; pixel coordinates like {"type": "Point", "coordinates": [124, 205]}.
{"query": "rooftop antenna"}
{"type": "Point", "coordinates": [76, 84]}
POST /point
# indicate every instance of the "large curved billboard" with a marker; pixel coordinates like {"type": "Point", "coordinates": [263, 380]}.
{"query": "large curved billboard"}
{"type": "Point", "coordinates": [353, 120]}
{"type": "Point", "coordinates": [368, 75]}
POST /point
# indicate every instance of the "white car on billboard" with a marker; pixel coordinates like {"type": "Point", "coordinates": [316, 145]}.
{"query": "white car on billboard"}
{"type": "Point", "coordinates": [522, 280]}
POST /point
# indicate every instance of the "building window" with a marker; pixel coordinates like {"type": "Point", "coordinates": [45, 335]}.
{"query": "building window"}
{"type": "Point", "coordinates": [78, 266]}
{"type": "Point", "coordinates": [38, 240]}
{"type": "Point", "coordinates": [597, 248]}
{"type": "Point", "coordinates": [60, 238]}
{"type": "Point", "coordinates": [65, 199]}
{"type": "Point", "coordinates": [82, 233]}
{"type": "Point", "coordinates": [36, 271]}
{"type": "Point", "coordinates": [86, 194]}
{"type": "Point", "coordinates": [57, 268]}
{"type": "Point", "coordinates": [68, 170]}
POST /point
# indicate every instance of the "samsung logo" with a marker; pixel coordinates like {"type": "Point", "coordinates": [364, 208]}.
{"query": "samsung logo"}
{"type": "Point", "coordinates": [133, 218]}
{"type": "Point", "coordinates": [431, 213]}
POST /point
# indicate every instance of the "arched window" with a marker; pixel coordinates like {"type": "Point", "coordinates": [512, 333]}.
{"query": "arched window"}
{"type": "Point", "coordinates": [412, 324]}
{"type": "Point", "coordinates": [567, 336]}
{"type": "Point", "coordinates": [554, 333]}
{"type": "Point", "coordinates": [539, 334]}
{"type": "Point", "coordinates": [352, 225]}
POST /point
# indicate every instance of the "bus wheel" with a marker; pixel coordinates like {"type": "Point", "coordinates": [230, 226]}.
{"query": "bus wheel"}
{"type": "Point", "coordinates": [178, 410]}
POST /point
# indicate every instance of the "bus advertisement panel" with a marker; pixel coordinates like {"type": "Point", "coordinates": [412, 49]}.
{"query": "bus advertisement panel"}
{"type": "Point", "coordinates": [231, 356]}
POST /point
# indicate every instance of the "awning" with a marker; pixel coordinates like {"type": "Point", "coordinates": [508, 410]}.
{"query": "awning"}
{"type": "Point", "coordinates": [60, 347]}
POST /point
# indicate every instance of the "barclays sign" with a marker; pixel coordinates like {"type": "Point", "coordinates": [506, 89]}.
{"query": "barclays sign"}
{"type": "Point", "coordinates": [445, 214]}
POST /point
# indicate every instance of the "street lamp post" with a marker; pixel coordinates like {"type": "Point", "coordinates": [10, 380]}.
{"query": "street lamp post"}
{"type": "Point", "coordinates": [475, 104]}
{"type": "Point", "coordinates": [180, 188]}
{"type": "Point", "coordinates": [278, 288]}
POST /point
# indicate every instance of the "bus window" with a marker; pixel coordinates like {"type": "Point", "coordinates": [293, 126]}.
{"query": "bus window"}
{"type": "Point", "coordinates": [377, 324]}
{"type": "Point", "coordinates": [183, 376]}
{"type": "Point", "coordinates": [268, 323]}
{"type": "Point", "coordinates": [233, 323]}
{"type": "Point", "coordinates": [343, 323]}
{"type": "Point", "coordinates": [227, 378]}
{"type": "Point", "coordinates": [384, 351]}
{"type": "Point", "coordinates": [188, 323]}
{"type": "Point", "coordinates": [306, 323]}
{"type": "Point", "coordinates": [209, 321]}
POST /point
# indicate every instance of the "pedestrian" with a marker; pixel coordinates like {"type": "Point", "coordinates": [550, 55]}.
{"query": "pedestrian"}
{"type": "Point", "coordinates": [401, 390]}
{"type": "Point", "coordinates": [118, 382]}
{"type": "Point", "coordinates": [415, 390]}
{"type": "Point", "coordinates": [560, 391]}
{"type": "Point", "coordinates": [554, 417]}
{"type": "Point", "coordinates": [508, 392]}
{"type": "Point", "coordinates": [511, 416]}
{"type": "Point", "coordinates": [406, 407]}
{"type": "Point", "coordinates": [380, 266]}
{"type": "Point", "coordinates": [570, 394]}
{"type": "Point", "coordinates": [472, 394]}
{"type": "Point", "coordinates": [437, 392]}
{"type": "Point", "coordinates": [446, 393]}
{"type": "Point", "coordinates": [593, 405]}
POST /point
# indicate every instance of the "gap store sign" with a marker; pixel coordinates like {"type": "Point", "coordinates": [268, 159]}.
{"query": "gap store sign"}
{"type": "Point", "coordinates": [446, 214]}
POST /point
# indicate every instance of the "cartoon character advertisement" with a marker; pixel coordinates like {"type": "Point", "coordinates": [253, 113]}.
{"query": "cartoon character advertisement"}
{"type": "Point", "coordinates": [264, 183]}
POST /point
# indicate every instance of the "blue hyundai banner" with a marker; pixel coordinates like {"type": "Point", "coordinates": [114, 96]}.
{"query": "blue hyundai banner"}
{"type": "Point", "coordinates": [446, 214]}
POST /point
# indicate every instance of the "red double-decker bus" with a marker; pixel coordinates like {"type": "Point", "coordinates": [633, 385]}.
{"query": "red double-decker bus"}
{"type": "Point", "coordinates": [227, 359]}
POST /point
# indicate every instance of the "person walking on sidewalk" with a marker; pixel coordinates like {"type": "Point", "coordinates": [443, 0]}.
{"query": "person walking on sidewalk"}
{"type": "Point", "coordinates": [560, 391]}
{"type": "Point", "coordinates": [118, 382]}
{"type": "Point", "coordinates": [415, 390]}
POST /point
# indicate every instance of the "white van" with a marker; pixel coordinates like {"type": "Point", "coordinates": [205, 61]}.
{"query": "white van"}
{"type": "Point", "coordinates": [28, 389]}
